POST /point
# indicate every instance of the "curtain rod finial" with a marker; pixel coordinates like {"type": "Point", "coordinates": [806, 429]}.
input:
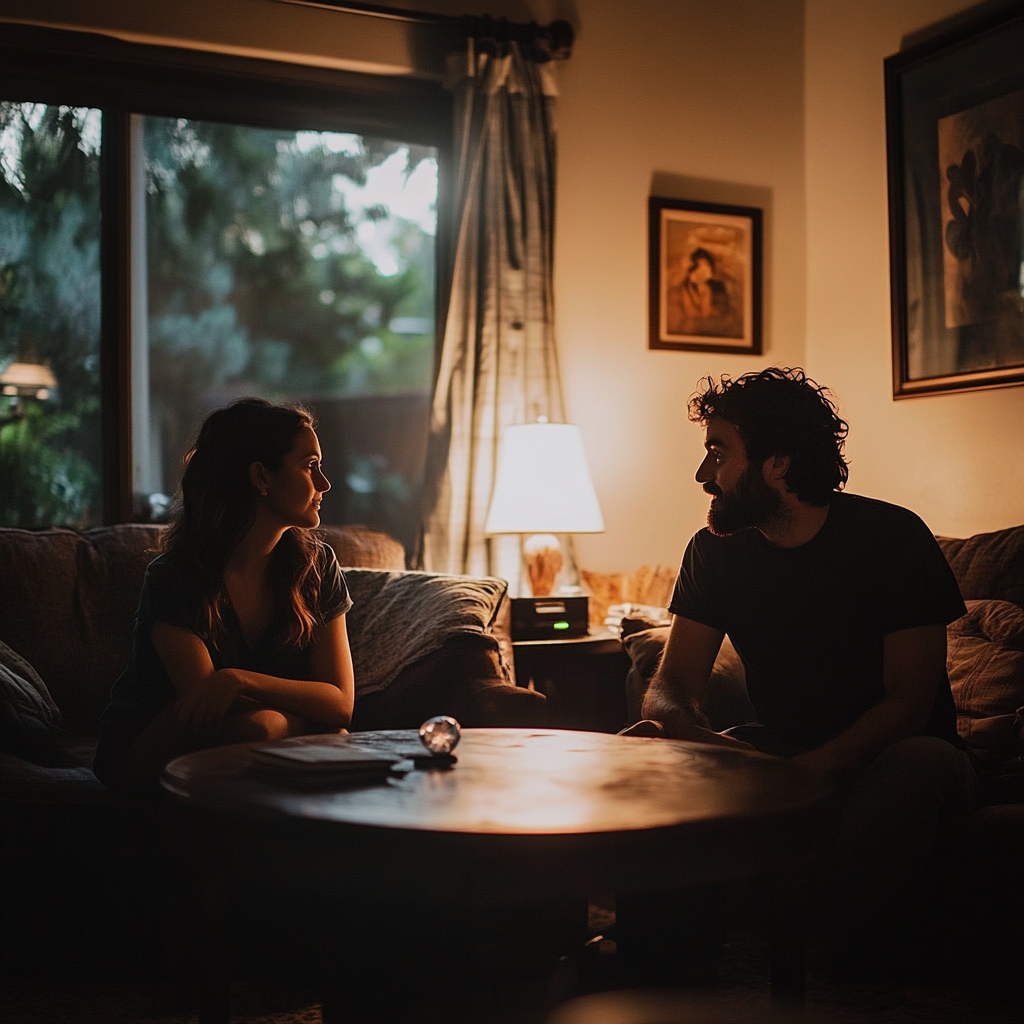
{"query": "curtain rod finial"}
{"type": "Point", "coordinates": [561, 36]}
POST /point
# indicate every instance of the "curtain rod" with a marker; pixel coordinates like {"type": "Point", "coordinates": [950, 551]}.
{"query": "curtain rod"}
{"type": "Point", "coordinates": [558, 36]}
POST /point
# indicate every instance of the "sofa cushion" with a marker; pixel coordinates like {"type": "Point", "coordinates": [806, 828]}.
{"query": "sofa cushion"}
{"type": "Point", "coordinates": [67, 603]}
{"type": "Point", "coordinates": [465, 679]}
{"type": "Point", "coordinates": [985, 661]}
{"type": "Point", "coordinates": [29, 719]}
{"type": "Point", "coordinates": [988, 565]}
{"type": "Point", "coordinates": [359, 546]}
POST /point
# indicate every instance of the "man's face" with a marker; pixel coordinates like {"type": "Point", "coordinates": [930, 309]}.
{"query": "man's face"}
{"type": "Point", "coordinates": [740, 496]}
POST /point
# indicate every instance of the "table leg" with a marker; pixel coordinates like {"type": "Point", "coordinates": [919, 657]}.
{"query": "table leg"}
{"type": "Point", "coordinates": [212, 995]}
{"type": "Point", "coordinates": [788, 940]}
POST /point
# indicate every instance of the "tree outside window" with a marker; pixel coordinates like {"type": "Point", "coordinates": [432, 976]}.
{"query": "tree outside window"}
{"type": "Point", "coordinates": [294, 265]}
{"type": "Point", "coordinates": [50, 445]}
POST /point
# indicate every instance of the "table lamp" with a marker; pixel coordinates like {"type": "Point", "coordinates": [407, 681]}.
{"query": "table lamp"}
{"type": "Point", "coordinates": [543, 488]}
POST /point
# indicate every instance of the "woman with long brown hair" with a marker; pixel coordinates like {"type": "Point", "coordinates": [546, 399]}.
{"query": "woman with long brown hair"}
{"type": "Point", "coordinates": [240, 633]}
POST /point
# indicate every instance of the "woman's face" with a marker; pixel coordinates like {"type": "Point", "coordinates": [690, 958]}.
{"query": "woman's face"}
{"type": "Point", "coordinates": [701, 271]}
{"type": "Point", "coordinates": [296, 487]}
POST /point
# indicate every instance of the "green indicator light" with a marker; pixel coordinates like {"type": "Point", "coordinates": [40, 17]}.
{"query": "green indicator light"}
{"type": "Point", "coordinates": [559, 625]}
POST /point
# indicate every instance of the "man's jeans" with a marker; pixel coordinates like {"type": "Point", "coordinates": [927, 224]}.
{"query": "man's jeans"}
{"type": "Point", "coordinates": [885, 825]}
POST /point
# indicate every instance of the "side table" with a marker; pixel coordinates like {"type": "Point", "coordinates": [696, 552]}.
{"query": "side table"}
{"type": "Point", "coordinates": [583, 678]}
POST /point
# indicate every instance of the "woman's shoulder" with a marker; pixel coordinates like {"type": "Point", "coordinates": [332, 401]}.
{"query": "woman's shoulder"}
{"type": "Point", "coordinates": [169, 585]}
{"type": "Point", "coordinates": [323, 551]}
{"type": "Point", "coordinates": [334, 598]}
{"type": "Point", "coordinates": [167, 567]}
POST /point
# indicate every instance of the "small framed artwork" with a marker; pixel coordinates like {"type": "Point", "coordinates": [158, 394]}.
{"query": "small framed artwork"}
{"type": "Point", "coordinates": [955, 132]}
{"type": "Point", "coordinates": [704, 276]}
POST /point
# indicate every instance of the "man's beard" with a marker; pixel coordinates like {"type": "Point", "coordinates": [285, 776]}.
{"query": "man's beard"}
{"type": "Point", "coordinates": [751, 503]}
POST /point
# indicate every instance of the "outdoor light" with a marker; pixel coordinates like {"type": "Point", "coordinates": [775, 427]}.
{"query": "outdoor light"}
{"type": "Point", "coordinates": [28, 380]}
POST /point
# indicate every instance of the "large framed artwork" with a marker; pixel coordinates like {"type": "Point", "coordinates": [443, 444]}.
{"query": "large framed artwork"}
{"type": "Point", "coordinates": [704, 276]}
{"type": "Point", "coordinates": [955, 132]}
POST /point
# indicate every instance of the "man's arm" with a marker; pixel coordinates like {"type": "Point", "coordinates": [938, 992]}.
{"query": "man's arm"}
{"type": "Point", "coordinates": [914, 666]}
{"type": "Point", "coordinates": [677, 689]}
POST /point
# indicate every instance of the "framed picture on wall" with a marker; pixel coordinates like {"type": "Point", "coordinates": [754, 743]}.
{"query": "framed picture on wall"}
{"type": "Point", "coordinates": [704, 276]}
{"type": "Point", "coordinates": [955, 132]}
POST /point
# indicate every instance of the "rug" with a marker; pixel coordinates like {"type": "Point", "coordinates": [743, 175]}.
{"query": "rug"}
{"type": "Point", "coordinates": [739, 987]}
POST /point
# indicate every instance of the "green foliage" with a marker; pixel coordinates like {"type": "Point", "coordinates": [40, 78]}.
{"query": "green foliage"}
{"type": "Point", "coordinates": [45, 481]}
{"type": "Point", "coordinates": [257, 276]}
{"type": "Point", "coordinates": [50, 311]}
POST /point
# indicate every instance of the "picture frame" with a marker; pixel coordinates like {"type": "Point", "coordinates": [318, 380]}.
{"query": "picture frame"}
{"type": "Point", "coordinates": [955, 135]}
{"type": "Point", "coordinates": [704, 276]}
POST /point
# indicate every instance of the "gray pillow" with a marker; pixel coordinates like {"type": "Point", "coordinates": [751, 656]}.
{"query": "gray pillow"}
{"type": "Point", "coordinates": [399, 617]}
{"type": "Point", "coordinates": [985, 660]}
{"type": "Point", "coordinates": [29, 719]}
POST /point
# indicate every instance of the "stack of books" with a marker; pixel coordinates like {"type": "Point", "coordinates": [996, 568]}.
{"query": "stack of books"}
{"type": "Point", "coordinates": [324, 765]}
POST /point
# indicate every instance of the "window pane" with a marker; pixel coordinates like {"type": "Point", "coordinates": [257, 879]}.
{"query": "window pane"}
{"type": "Point", "coordinates": [50, 450]}
{"type": "Point", "coordinates": [297, 266]}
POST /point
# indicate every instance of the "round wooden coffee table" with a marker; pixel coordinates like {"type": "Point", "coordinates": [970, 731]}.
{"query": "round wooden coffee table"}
{"type": "Point", "coordinates": [524, 815]}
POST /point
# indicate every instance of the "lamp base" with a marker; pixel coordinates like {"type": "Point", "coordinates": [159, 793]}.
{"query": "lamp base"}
{"type": "Point", "coordinates": [549, 618]}
{"type": "Point", "coordinates": [542, 554]}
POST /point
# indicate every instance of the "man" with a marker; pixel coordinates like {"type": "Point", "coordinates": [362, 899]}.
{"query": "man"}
{"type": "Point", "coordinates": [838, 606]}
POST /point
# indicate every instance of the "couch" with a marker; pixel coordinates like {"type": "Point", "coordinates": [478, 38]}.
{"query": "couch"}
{"type": "Point", "coordinates": [972, 910]}
{"type": "Point", "coordinates": [67, 603]}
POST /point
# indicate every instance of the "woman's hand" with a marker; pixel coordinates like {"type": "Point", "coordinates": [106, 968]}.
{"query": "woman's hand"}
{"type": "Point", "coordinates": [206, 695]}
{"type": "Point", "coordinates": [202, 708]}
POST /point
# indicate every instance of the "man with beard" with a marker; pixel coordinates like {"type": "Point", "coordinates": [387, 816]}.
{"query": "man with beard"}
{"type": "Point", "coordinates": [838, 605]}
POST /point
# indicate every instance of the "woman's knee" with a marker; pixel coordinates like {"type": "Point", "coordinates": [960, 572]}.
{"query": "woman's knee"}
{"type": "Point", "coordinates": [265, 724]}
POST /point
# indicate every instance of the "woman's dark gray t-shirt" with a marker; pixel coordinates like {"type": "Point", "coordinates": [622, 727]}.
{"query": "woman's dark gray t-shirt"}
{"type": "Point", "coordinates": [170, 597]}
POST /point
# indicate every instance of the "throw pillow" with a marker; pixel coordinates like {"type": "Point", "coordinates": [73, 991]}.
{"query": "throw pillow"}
{"type": "Point", "coordinates": [399, 617]}
{"type": "Point", "coordinates": [985, 661]}
{"type": "Point", "coordinates": [29, 719]}
{"type": "Point", "coordinates": [988, 565]}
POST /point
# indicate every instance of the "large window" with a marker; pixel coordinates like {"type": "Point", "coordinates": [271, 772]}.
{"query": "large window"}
{"type": "Point", "coordinates": [168, 244]}
{"type": "Point", "coordinates": [297, 266]}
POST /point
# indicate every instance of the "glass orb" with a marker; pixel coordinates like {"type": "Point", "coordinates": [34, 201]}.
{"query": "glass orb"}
{"type": "Point", "coordinates": [440, 735]}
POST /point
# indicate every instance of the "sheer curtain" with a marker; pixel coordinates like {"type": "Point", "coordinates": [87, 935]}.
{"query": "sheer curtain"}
{"type": "Point", "coordinates": [499, 365]}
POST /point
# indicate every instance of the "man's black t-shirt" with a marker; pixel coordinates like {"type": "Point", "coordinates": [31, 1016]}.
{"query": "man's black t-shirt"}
{"type": "Point", "coordinates": [809, 621]}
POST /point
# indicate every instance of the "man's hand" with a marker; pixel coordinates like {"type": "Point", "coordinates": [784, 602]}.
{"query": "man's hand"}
{"type": "Point", "coordinates": [682, 725]}
{"type": "Point", "coordinates": [914, 668]}
{"type": "Point", "coordinates": [683, 728]}
{"type": "Point", "coordinates": [673, 698]}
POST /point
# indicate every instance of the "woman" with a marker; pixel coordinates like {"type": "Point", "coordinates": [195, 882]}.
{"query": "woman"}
{"type": "Point", "coordinates": [240, 633]}
{"type": "Point", "coordinates": [701, 294]}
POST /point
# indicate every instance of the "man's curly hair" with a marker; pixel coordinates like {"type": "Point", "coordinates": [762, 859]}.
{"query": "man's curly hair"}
{"type": "Point", "coordinates": [781, 411]}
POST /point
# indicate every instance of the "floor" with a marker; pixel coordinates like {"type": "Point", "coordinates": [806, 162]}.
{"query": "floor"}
{"type": "Point", "coordinates": [737, 991]}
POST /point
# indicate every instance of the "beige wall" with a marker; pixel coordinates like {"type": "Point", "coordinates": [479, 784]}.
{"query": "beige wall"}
{"type": "Point", "coordinates": [685, 99]}
{"type": "Point", "coordinates": [957, 460]}
{"type": "Point", "coordinates": [704, 101]}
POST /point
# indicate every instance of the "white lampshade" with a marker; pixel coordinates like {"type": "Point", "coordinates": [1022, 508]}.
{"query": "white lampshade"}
{"type": "Point", "coordinates": [543, 483]}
